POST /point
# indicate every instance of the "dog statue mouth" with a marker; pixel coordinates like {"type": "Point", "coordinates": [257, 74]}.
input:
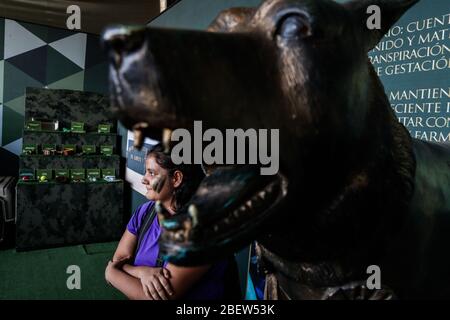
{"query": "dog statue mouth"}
{"type": "Point", "coordinates": [227, 211]}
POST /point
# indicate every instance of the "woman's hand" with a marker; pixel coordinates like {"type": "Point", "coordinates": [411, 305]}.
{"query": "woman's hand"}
{"type": "Point", "coordinates": [155, 282]}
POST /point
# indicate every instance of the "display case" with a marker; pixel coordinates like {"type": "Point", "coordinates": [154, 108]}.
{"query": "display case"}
{"type": "Point", "coordinates": [69, 191]}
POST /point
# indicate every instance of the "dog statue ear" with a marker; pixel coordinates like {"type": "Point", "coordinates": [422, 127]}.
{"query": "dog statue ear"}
{"type": "Point", "coordinates": [390, 12]}
{"type": "Point", "coordinates": [231, 19]}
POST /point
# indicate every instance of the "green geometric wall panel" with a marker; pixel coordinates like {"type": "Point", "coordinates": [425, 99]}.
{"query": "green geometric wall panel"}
{"type": "Point", "coordinates": [96, 78]}
{"type": "Point", "coordinates": [14, 147]}
{"type": "Point", "coordinates": [12, 125]}
{"type": "Point", "coordinates": [55, 34]}
{"type": "Point", "coordinates": [73, 48]}
{"type": "Point", "coordinates": [58, 66]}
{"type": "Point", "coordinates": [19, 40]}
{"type": "Point", "coordinates": [17, 105]}
{"type": "Point", "coordinates": [32, 62]}
{"type": "Point", "coordinates": [15, 82]}
{"type": "Point", "coordinates": [1, 123]}
{"type": "Point", "coordinates": [2, 36]}
{"type": "Point", "coordinates": [2, 63]}
{"type": "Point", "coordinates": [94, 52]}
{"type": "Point", "coordinates": [39, 31]}
{"type": "Point", "coordinates": [73, 82]}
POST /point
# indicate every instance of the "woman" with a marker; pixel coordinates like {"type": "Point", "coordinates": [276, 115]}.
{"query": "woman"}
{"type": "Point", "coordinates": [173, 186]}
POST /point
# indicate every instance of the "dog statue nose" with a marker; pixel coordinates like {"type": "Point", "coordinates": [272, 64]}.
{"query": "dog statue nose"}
{"type": "Point", "coordinates": [120, 40]}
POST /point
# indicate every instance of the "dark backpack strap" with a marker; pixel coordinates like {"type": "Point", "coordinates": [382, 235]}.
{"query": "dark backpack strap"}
{"type": "Point", "coordinates": [145, 225]}
{"type": "Point", "coordinates": [159, 261]}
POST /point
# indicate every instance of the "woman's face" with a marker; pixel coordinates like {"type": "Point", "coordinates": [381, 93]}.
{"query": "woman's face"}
{"type": "Point", "coordinates": [157, 181]}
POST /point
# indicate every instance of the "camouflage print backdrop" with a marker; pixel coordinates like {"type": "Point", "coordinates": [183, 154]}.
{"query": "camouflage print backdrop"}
{"type": "Point", "coordinates": [54, 214]}
{"type": "Point", "coordinates": [63, 214]}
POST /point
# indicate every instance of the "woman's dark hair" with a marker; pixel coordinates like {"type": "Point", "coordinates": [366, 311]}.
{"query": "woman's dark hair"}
{"type": "Point", "coordinates": [192, 175]}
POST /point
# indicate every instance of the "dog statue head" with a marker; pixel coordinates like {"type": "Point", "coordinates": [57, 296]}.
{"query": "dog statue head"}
{"type": "Point", "coordinates": [299, 66]}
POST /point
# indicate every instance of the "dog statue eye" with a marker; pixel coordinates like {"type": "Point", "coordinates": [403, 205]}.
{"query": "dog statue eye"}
{"type": "Point", "coordinates": [294, 26]}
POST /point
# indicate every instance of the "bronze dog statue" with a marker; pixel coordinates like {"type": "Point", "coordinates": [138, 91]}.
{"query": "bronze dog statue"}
{"type": "Point", "coordinates": [353, 190]}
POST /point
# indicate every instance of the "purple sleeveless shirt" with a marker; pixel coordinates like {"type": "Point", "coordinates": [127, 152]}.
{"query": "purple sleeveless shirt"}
{"type": "Point", "coordinates": [210, 286]}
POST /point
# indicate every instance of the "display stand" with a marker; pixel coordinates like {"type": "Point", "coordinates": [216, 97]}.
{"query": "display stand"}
{"type": "Point", "coordinates": [56, 212]}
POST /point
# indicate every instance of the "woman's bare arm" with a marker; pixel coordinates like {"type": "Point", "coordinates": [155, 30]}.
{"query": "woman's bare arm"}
{"type": "Point", "coordinates": [125, 251]}
{"type": "Point", "coordinates": [133, 271]}
{"type": "Point", "coordinates": [128, 285]}
{"type": "Point", "coordinates": [126, 247]}
{"type": "Point", "coordinates": [124, 276]}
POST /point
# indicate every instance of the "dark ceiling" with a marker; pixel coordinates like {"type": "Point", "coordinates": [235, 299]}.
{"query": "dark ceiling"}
{"type": "Point", "coordinates": [95, 14]}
